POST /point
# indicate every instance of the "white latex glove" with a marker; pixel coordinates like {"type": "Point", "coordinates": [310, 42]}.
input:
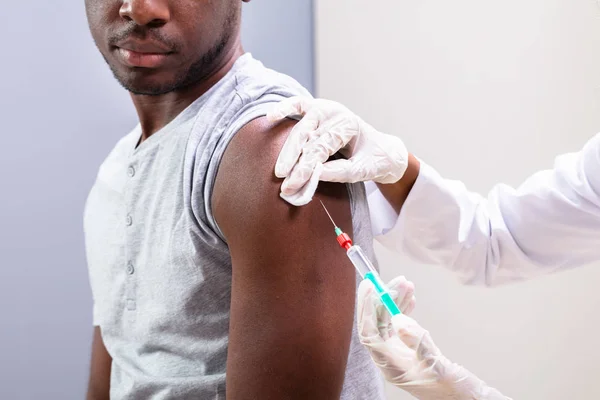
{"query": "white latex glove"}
{"type": "Point", "coordinates": [327, 127]}
{"type": "Point", "coordinates": [406, 354]}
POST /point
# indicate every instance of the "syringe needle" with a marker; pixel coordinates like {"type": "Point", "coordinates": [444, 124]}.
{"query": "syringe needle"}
{"type": "Point", "coordinates": [329, 215]}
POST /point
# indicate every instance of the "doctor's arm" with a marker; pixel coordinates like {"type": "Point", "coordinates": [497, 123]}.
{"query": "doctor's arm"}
{"type": "Point", "coordinates": [549, 223]}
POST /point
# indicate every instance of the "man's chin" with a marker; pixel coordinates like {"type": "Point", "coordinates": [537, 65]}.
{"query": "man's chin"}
{"type": "Point", "coordinates": [146, 83]}
{"type": "Point", "coordinates": [148, 90]}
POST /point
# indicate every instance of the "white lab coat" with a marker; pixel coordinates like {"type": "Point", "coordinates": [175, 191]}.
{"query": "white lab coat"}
{"type": "Point", "coordinates": [550, 223]}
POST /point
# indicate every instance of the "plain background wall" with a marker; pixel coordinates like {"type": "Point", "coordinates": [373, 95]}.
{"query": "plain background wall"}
{"type": "Point", "coordinates": [61, 112]}
{"type": "Point", "coordinates": [485, 91]}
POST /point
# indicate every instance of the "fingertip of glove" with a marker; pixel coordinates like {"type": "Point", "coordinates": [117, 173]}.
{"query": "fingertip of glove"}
{"type": "Point", "coordinates": [287, 188]}
{"type": "Point", "coordinates": [281, 170]}
{"type": "Point", "coordinates": [365, 285]}
{"type": "Point", "coordinates": [399, 321]}
{"type": "Point", "coordinates": [402, 323]}
{"type": "Point", "coordinates": [295, 200]}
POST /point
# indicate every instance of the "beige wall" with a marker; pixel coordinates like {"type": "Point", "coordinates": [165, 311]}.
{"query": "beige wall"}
{"type": "Point", "coordinates": [485, 91]}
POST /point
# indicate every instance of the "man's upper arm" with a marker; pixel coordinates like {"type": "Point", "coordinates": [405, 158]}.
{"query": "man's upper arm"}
{"type": "Point", "coordinates": [293, 290]}
{"type": "Point", "coordinates": [100, 366]}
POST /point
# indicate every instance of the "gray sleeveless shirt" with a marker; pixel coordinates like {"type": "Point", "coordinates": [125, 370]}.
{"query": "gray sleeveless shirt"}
{"type": "Point", "coordinates": [159, 267]}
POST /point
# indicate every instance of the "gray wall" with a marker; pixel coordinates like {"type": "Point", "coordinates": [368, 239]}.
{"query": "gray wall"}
{"type": "Point", "coordinates": [280, 34]}
{"type": "Point", "coordinates": [61, 113]}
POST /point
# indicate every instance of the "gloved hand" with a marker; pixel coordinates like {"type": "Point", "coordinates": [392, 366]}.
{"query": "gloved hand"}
{"type": "Point", "coordinates": [406, 354]}
{"type": "Point", "coordinates": [327, 127]}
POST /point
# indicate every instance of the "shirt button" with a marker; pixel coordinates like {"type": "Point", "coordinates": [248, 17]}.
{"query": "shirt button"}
{"type": "Point", "coordinates": [130, 269]}
{"type": "Point", "coordinates": [129, 220]}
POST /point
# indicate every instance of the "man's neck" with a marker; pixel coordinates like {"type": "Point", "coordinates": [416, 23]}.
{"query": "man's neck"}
{"type": "Point", "coordinates": [155, 112]}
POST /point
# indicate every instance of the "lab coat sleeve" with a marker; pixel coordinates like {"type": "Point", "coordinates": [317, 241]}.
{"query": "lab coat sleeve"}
{"type": "Point", "coordinates": [551, 222]}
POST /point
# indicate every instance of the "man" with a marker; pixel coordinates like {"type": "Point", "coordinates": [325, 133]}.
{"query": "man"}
{"type": "Point", "coordinates": [203, 278]}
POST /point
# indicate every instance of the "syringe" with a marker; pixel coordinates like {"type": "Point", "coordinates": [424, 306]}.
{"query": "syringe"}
{"type": "Point", "coordinates": [364, 267]}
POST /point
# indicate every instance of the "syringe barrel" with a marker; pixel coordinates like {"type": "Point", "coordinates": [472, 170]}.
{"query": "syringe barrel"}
{"type": "Point", "coordinates": [360, 261]}
{"type": "Point", "coordinates": [367, 271]}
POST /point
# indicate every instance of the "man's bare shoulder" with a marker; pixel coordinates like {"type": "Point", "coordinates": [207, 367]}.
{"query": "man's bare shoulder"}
{"type": "Point", "coordinates": [247, 187]}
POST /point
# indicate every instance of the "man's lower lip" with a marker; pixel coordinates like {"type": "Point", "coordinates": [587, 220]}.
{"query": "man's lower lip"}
{"type": "Point", "coordinates": [144, 60]}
